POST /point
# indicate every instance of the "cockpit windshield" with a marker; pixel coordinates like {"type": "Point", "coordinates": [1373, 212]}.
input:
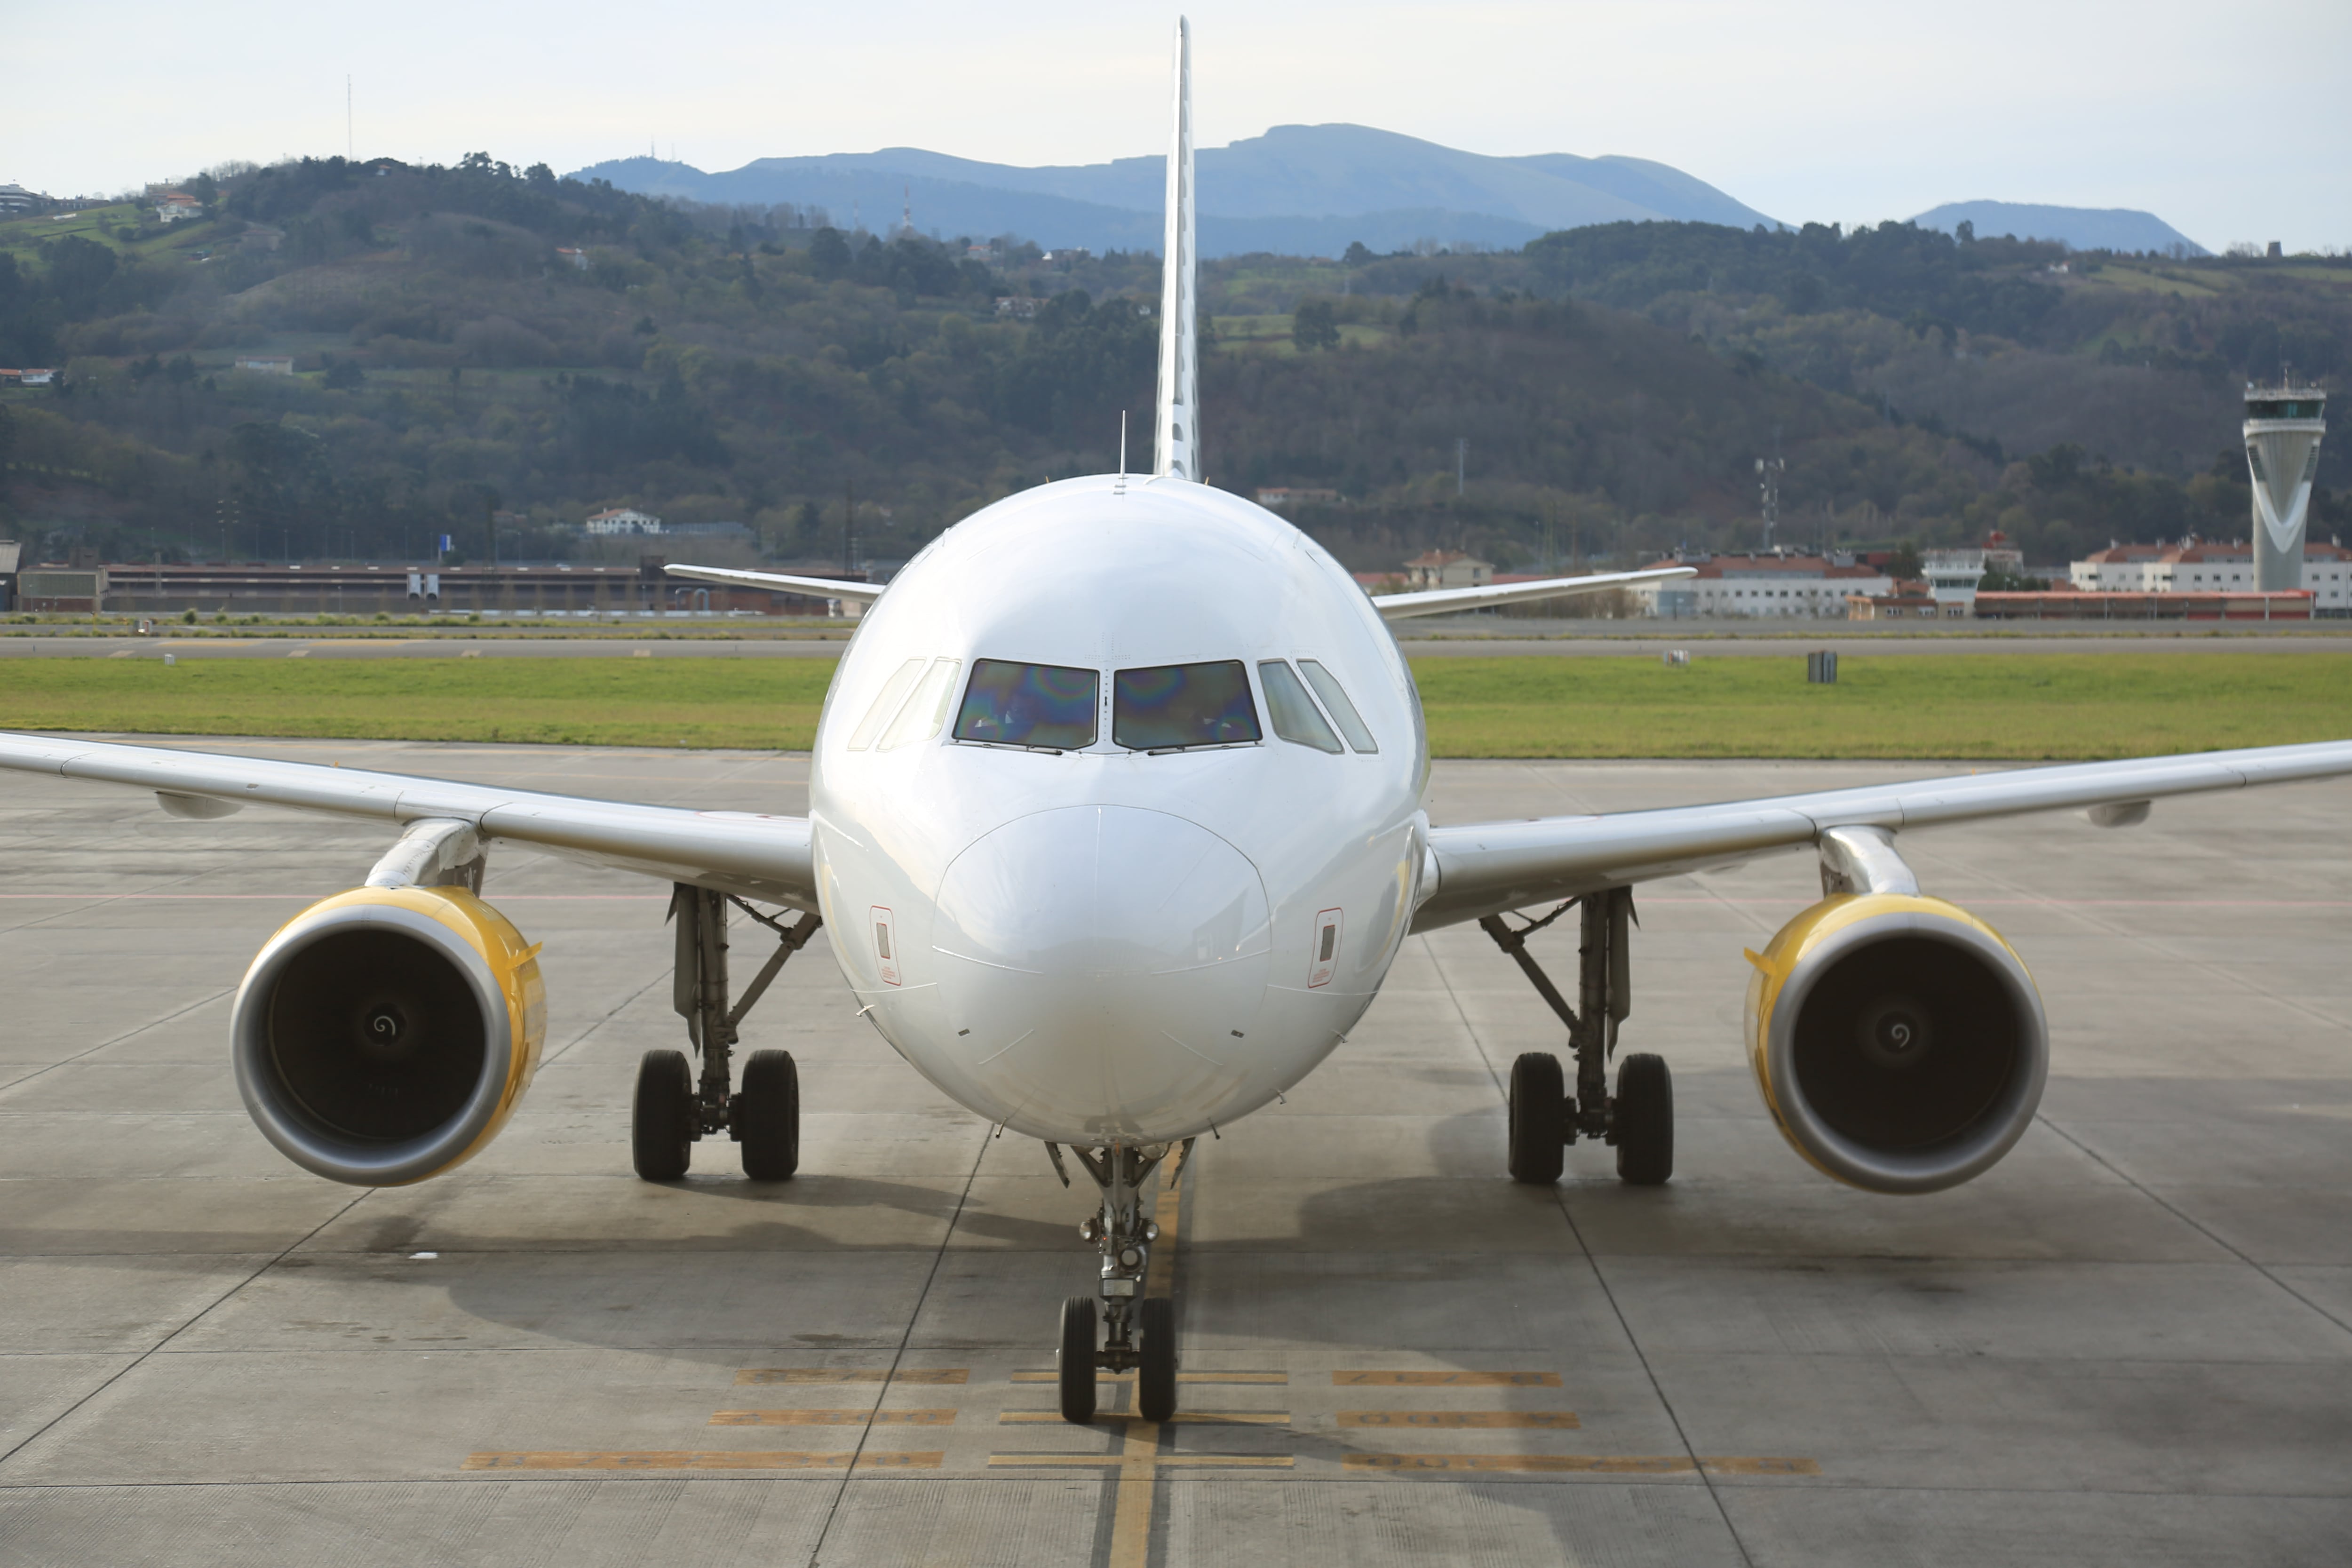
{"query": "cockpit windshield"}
{"type": "Point", "coordinates": [1046, 706]}
{"type": "Point", "coordinates": [1172, 706]}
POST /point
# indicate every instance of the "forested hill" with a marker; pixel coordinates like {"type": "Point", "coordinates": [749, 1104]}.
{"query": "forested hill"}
{"type": "Point", "coordinates": [485, 341]}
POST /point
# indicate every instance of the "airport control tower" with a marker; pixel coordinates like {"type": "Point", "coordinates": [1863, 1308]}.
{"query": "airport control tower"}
{"type": "Point", "coordinates": [2283, 425]}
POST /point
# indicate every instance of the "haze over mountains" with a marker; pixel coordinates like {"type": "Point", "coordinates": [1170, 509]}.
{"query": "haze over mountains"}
{"type": "Point", "coordinates": [1299, 190]}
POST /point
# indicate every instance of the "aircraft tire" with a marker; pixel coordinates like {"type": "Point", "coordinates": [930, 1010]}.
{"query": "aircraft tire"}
{"type": "Point", "coordinates": [661, 1117]}
{"type": "Point", "coordinates": [768, 1116]}
{"type": "Point", "coordinates": [1155, 1373]}
{"type": "Point", "coordinates": [1076, 1361]}
{"type": "Point", "coordinates": [1644, 1121]}
{"type": "Point", "coordinates": [1538, 1119]}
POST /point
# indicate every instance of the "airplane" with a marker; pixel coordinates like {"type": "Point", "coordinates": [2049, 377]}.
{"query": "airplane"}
{"type": "Point", "coordinates": [1116, 819]}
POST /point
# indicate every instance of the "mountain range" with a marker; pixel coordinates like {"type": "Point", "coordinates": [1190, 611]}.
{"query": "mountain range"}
{"type": "Point", "coordinates": [1298, 190]}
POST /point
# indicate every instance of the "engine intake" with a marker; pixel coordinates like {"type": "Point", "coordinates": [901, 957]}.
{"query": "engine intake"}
{"type": "Point", "coordinates": [1898, 1041]}
{"type": "Point", "coordinates": [385, 1034]}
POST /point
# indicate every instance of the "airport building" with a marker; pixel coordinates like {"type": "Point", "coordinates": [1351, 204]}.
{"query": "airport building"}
{"type": "Point", "coordinates": [1764, 583]}
{"type": "Point", "coordinates": [2284, 426]}
{"type": "Point", "coordinates": [2207, 567]}
{"type": "Point", "coordinates": [254, 588]}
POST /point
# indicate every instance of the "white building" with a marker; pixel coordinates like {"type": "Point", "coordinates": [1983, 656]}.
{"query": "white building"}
{"type": "Point", "coordinates": [2196, 567]}
{"type": "Point", "coordinates": [267, 365]}
{"type": "Point", "coordinates": [1448, 569]}
{"type": "Point", "coordinates": [1952, 579]}
{"type": "Point", "coordinates": [1762, 585]}
{"type": "Point", "coordinates": [623, 520]}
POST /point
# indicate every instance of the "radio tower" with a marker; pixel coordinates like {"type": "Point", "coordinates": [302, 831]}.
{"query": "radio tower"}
{"type": "Point", "coordinates": [1768, 479]}
{"type": "Point", "coordinates": [2284, 426]}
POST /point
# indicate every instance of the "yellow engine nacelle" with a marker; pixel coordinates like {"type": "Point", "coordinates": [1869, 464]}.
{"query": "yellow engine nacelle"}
{"type": "Point", "coordinates": [1899, 1043]}
{"type": "Point", "coordinates": [385, 1034]}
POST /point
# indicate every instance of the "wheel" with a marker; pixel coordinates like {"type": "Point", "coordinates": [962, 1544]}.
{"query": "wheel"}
{"type": "Point", "coordinates": [1155, 1374]}
{"type": "Point", "coordinates": [768, 1116]}
{"type": "Point", "coordinates": [1644, 1120]}
{"type": "Point", "coordinates": [1538, 1119]}
{"type": "Point", "coordinates": [661, 1117]}
{"type": "Point", "coordinates": [1075, 1360]}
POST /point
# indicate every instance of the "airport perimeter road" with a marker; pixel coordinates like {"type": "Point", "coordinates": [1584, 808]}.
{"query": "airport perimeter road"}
{"type": "Point", "coordinates": [1712, 646]}
{"type": "Point", "coordinates": [2132, 1342]}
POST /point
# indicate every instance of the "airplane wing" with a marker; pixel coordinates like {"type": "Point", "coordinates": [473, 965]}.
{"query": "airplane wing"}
{"type": "Point", "coordinates": [758, 856]}
{"type": "Point", "coordinates": [783, 583]}
{"type": "Point", "coordinates": [1440, 601]}
{"type": "Point", "coordinates": [1483, 868]}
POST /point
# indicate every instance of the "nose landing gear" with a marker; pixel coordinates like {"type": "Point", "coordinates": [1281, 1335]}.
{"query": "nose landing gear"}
{"type": "Point", "coordinates": [1140, 1330]}
{"type": "Point", "coordinates": [671, 1111]}
{"type": "Point", "coordinates": [1639, 1118]}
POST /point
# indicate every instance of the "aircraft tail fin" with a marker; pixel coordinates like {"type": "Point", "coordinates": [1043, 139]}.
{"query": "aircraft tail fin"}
{"type": "Point", "coordinates": [1178, 427]}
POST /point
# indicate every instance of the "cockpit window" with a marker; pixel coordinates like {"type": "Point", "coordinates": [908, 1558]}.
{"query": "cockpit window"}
{"type": "Point", "coordinates": [1050, 707]}
{"type": "Point", "coordinates": [893, 691]}
{"type": "Point", "coordinates": [1292, 710]}
{"type": "Point", "coordinates": [1343, 712]}
{"type": "Point", "coordinates": [926, 709]}
{"type": "Point", "coordinates": [1172, 706]}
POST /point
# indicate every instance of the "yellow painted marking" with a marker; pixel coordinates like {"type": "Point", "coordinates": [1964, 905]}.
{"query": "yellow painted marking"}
{"type": "Point", "coordinates": [1160, 1278]}
{"type": "Point", "coordinates": [1225, 1377]}
{"type": "Point", "coordinates": [855, 1374]}
{"type": "Point", "coordinates": [1185, 1461]}
{"type": "Point", "coordinates": [833, 1418]}
{"type": "Point", "coordinates": [1445, 1379]}
{"type": "Point", "coordinates": [718, 1459]}
{"type": "Point", "coordinates": [1585, 1464]}
{"type": "Point", "coordinates": [1214, 1417]}
{"type": "Point", "coordinates": [1549, 1420]}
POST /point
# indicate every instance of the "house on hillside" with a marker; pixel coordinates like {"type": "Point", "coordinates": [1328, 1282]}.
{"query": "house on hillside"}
{"type": "Point", "coordinates": [1277, 497]}
{"type": "Point", "coordinates": [175, 206]}
{"type": "Point", "coordinates": [1448, 569]}
{"type": "Point", "coordinates": [267, 365]}
{"type": "Point", "coordinates": [572, 254]}
{"type": "Point", "coordinates": [17, 199]}
{"type": "Point", "coordinates": [622, 520]}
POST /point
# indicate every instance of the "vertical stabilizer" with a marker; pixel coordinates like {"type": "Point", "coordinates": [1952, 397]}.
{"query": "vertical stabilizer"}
{"type": "Point", "coordinates": [1179, 434]}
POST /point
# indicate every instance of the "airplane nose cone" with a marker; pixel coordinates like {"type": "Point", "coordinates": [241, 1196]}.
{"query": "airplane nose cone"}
{"type": "Point", "coordinates": [1108, 962]}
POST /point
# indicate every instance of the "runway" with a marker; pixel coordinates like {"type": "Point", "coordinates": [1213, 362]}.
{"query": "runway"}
{"type": "Point", "coordinates": [2132, 1342]}
{"type": "Point", "coordinates": [1715, 642]}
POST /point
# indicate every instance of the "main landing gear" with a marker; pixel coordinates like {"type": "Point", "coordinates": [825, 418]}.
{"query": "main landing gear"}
{"type": "Point", "coordinates": [1639, 1120]}
{"type": "Point", "coordinates": [1141, 1330]}
{"type": "Point", "coordinates": [671, 1111]}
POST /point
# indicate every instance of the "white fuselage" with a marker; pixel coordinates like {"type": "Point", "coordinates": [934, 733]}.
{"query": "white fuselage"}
{"type": "Point", "coordinates": [1102, 945]}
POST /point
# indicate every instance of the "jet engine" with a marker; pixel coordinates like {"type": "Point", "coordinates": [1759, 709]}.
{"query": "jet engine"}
{"type": "Point", "coordinates": [1899, 1043]}
{"type": "Point", "coordinates": [385, 1034]}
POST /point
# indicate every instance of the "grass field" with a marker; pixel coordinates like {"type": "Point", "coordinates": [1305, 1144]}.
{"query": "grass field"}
{"type": "Point", "coordinates": [1981, 707]}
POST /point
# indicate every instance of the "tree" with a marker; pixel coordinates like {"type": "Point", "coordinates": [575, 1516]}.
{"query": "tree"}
{"type": "Point", "coordinates": [1358, 253]}
{"type": "Point", "coordinates": [1907, 566]}
{"type": "Point", "coordinates": [829, 254]}
{"type": "Point", "coordinates": [1315, 325]}
{"type": "Point", "coordinates": [474, 500]}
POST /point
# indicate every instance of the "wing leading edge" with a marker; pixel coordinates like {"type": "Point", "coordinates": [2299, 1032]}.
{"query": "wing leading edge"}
{"type": "Point", "coordinates": [1440, 601]}
{"type": "Point", "coordinates": [1483, 868]}
{"type": "Point", "coordinates": [764, 857]}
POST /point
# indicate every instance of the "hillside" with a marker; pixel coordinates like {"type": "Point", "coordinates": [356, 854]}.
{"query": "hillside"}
{"type": "Point", "coordinates": [480, 341]}
{"type": "Point", "coordinates": [1278, 194]}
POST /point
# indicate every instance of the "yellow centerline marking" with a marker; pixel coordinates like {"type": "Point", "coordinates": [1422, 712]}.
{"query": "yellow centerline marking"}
{"type": "Point", "coordinates": [1546, 1420]}
{"type": "Point", "coordinates": [704, 1460]}
{"type": "Point", "coordinates": [1445, 1380]}
{"type": "Point", "coordinates": [833, 1418]}
{"type": "Point", "coordinates": [1587, 1464]}
{"type": "Point", "coordinates": [855, 1374]}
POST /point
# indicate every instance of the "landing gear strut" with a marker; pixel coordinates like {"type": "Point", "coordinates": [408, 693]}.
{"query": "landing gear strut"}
{"type": "Point", "coordinates": [1639, 1120]}
{"type": "Point", "coordinates": [671, 1111]}
{"type": "Point", "coordinates": [1140, 1335]}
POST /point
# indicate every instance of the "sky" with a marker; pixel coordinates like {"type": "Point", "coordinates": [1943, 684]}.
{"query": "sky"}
{"type": "Point", "coordinates": [2229, 124]}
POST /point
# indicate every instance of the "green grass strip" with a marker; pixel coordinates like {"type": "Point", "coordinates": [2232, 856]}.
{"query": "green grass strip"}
{"type": "Point", "coordinates": [1972, 707]}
